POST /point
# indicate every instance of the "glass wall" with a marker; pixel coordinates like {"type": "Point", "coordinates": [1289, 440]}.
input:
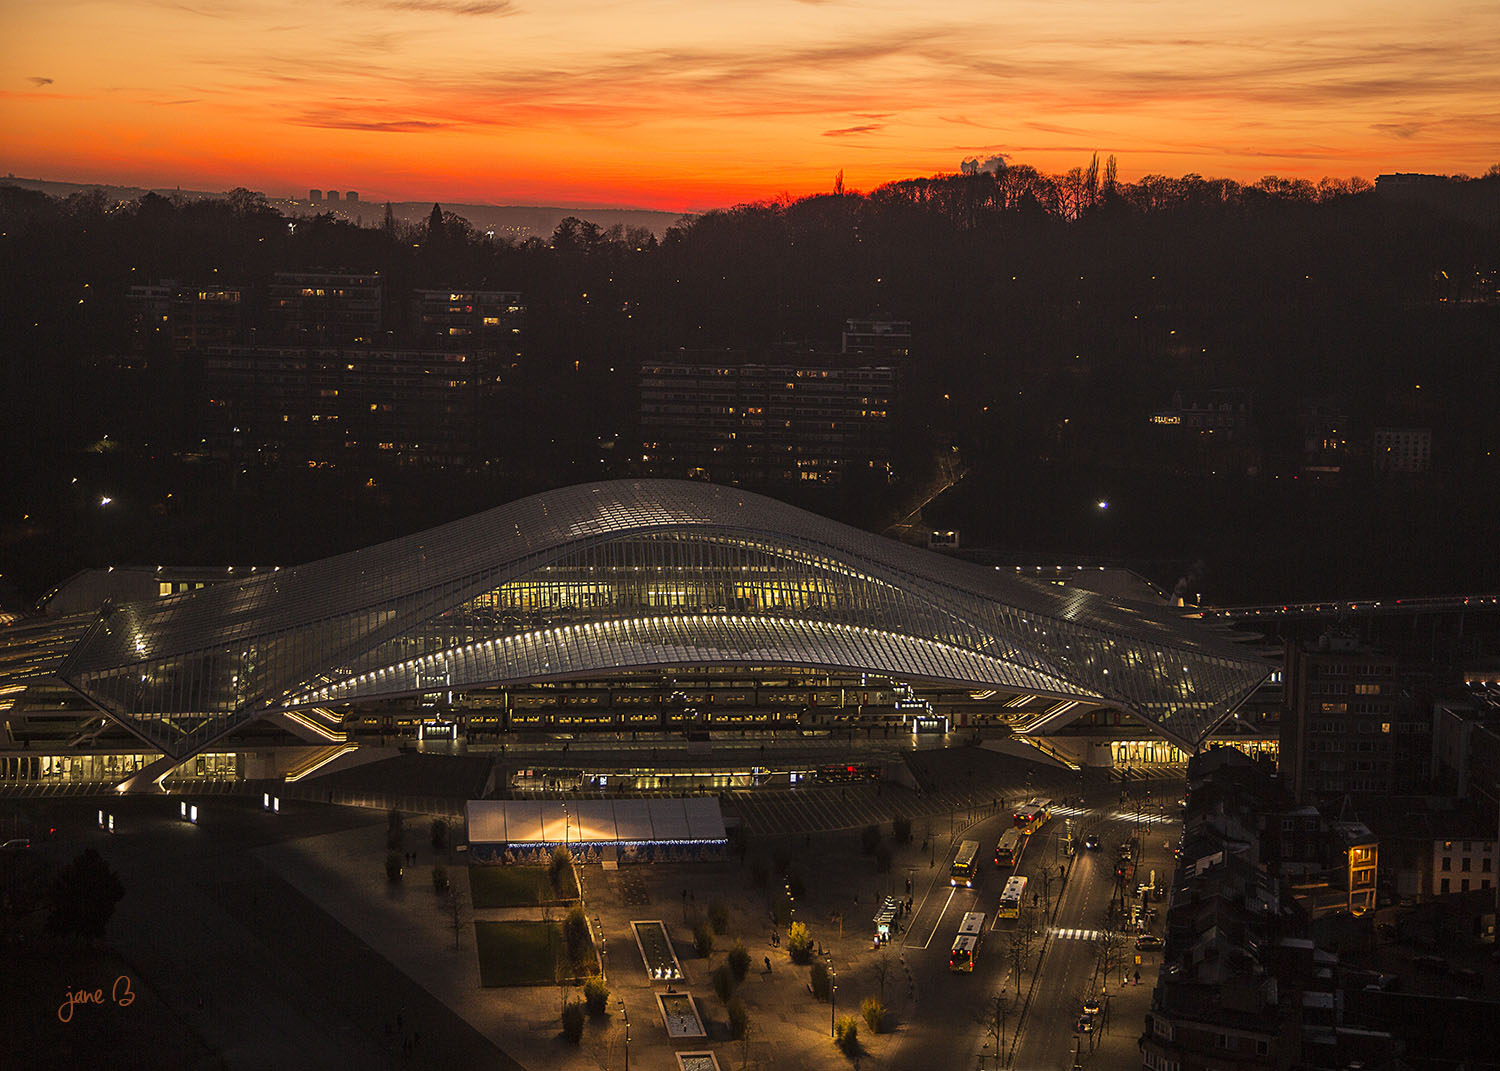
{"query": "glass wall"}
{"type": "Point", "coordinates": [111, 769]}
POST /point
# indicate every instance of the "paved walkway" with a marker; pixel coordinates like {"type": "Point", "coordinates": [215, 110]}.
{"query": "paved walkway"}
{"type": "Point", "coordinates": [289, 920]}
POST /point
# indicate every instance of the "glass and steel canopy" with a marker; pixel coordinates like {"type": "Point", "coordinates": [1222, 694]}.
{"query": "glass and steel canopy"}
{"type": "Point", "coordinates": [602, 578]}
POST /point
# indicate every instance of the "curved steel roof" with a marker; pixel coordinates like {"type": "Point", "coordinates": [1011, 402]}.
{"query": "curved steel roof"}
{"type": "Point", "coordinates": [755, 582]}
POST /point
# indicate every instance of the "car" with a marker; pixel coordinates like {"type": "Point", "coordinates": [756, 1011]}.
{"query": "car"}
{"type": "Point", "coordinates": [16, 844]}
{"type": "Point", "coordinates": [1092, 1006]}
{"type": "Point", "coordinates": [1085, 1024]}
{"type": "Point", "coordinates": [1091, 842]}
{"type": "Point", "coordinates": [1430, 964]}
{"type": "Point", "coordinates": [1147, 941]}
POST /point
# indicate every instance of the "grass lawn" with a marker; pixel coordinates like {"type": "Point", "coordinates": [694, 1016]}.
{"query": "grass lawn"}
{"type": "Point", "coordinates": [522, 953]}
{"type": "Point", "coordinates": [516, 886]}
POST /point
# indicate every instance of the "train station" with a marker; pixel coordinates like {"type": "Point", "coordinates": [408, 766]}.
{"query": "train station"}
{"type": "Point", "coordinates": [646, 612]}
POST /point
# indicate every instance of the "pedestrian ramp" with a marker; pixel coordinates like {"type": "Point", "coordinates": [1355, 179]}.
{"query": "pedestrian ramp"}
{"type": "Point", "coordinates": [1064, 933]}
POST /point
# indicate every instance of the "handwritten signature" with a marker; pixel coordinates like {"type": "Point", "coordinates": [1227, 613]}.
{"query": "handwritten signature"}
{"type": "Point", "coordinates": [120, 993]}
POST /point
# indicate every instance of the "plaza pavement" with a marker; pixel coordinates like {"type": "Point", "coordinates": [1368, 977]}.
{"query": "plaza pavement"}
{"type": "Point", "coordinates": [408, 924]}
{"type": "Point", "coordinates": [278, 940]}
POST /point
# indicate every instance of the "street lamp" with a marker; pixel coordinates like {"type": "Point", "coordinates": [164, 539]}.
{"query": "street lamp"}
{"type": "Point", "coordinates": [833, 997]}
{"type": "Point", "coordinates": [626, 1016]}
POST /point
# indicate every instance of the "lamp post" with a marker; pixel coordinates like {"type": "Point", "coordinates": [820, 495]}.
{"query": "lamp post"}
{"type": "Point", "coordinates": [626, 1015]}
{"type": "Point", "coordinates": [833, 997]}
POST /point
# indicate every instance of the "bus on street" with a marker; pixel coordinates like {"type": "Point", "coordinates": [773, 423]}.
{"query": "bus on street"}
{"type": "Point", "coordinates": [1008, 851]}
{"type": "Point", "coordinates": [966, 945]}
{"type": "Point", "coordinates": [1032, 816]}
{"type": "Point", "coordinates": [1011, 898]}
{"type": "Point", "coordinates": [964, 871]}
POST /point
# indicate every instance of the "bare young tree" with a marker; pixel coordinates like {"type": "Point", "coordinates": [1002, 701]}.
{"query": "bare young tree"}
{"type": "Point", "coordinates": [1020, 948]}
{"type": "Point", "coordinates": [1108, 952]}
{"type": "Point", "coordinates": [994, 1015]}
{"type": "Point", "coordinates": [460, 912]}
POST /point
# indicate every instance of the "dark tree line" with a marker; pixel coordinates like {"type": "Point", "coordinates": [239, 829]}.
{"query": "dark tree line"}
{"type": "Point", "coordinates": [1051, 315]}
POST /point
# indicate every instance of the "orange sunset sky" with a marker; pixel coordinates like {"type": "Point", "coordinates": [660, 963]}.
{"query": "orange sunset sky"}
{"type": "Point", "coordinates": [693, 104]}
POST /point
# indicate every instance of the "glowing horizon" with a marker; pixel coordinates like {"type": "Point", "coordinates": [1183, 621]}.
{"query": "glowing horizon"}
{"type": "Point", "coordinates": [677, 106]}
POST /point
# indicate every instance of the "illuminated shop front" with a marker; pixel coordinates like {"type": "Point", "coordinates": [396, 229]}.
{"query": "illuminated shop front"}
{"type": "Point", "coordinates": [1140, 752]}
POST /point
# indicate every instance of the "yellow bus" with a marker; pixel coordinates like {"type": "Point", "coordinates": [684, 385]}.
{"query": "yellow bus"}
{"type": "Point", "coordinates": [1012, 897]}
{"type": "Point", "coordinates": [1032, 816]}
{"type": "Point", "coordinates": [966, 945]}
{"type": "Point", "coordinates": [964, 871]}
{"type": "Point", "coordinates": [1008, 851]}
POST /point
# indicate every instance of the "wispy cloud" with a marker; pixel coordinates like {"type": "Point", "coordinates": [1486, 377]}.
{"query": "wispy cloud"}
{"type": "Point", "coordinates": [868, 128]}
{"type": "Point", "coordinates": [38, 80]}
{"type": "Point", "coordinates": [333, 121]}
{"type": "Point", "coordinates": [1053, 128]}
{"type": "Point", "coordinates": [453, 7]}
{"type": "Point", "coordinates": [1400, 130]}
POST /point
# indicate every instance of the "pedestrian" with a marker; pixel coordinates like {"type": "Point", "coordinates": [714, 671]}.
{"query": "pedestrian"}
{"type": "Point", "coordinates": [768, 964]}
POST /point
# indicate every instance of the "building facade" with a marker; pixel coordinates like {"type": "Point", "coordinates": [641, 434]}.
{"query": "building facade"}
{"type": "Point", "coordinates": [786, 418]}
{"type": "Point", "coordinates": [332, 406]}
{"type": "Point", "coordinates": [1354, 723]}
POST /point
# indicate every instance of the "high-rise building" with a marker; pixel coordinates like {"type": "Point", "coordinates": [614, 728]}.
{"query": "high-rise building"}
{"type": "Point", "coordinates": [1354, 723]}
{"type": "Point", "coordinates": [1402, 449]}
{"type": "Point", "coordinates": [335, 405]}
{"type": "Point", "coordinates": [314, 196]}
{"type": "Point", "coordinates": [150, 308]}
{"type": "Point", "coordinates": [734, 417]}
{"type": "Point", "coordinates": [878, 336]}
{"type": "Point", "coordinates": [203, 316]}
{"type": "Point", "coordinates": [473, 320]}
{"type": "Point", "coordinates": [326, 308]}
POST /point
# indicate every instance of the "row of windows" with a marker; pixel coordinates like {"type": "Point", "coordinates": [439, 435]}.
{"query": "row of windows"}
{"type": "Point", "coordinates": [1445, 885]}
{"type": "Point", "coordinates": [1351, 669]}
{"type": "Point", "coordinates": [1464, 863]}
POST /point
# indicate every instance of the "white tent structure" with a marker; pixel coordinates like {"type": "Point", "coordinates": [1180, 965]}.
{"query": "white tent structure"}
{"type": "Point", "coordinates": [660, 830]}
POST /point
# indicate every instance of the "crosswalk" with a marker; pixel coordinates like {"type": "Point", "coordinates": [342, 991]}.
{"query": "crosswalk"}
{"type": "Point", "coordinates": [1070, 934]}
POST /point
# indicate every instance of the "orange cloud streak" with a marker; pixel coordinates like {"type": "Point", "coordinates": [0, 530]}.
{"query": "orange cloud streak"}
{"type": "Point", "coordinates": [667, 104]}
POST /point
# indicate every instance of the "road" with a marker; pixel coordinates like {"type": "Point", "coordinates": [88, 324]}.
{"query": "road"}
{"type": "Point", "coordinates": [955, 1012]}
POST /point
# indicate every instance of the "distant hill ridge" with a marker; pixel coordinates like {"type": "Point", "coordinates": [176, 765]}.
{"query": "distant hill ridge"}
{"type": "Point", "coordinates": [507, 221]}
